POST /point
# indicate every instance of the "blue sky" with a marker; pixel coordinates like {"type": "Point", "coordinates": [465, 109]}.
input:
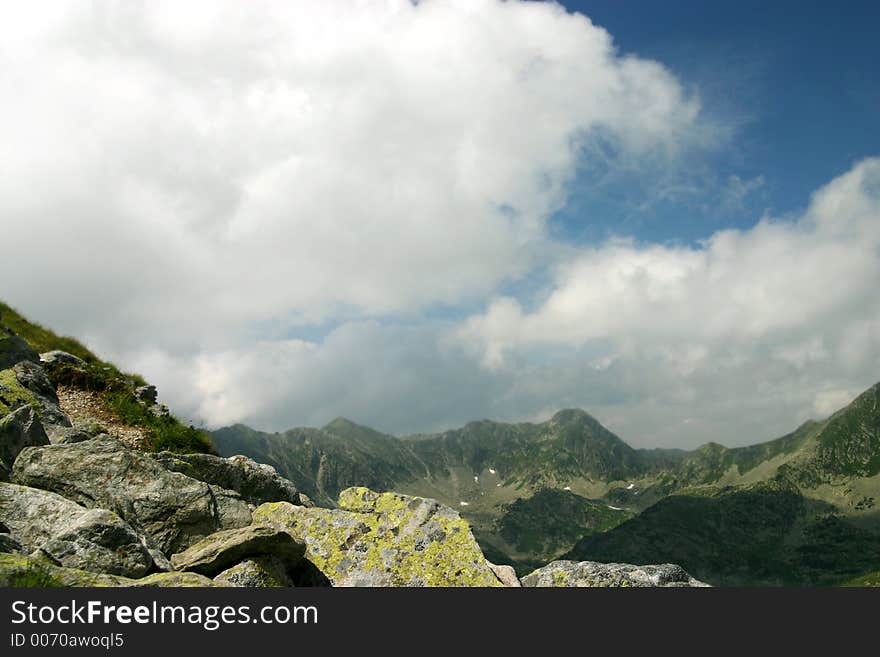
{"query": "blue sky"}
{"type": "Point", "coordinates": [797, 81]}
{"type": "Point", "coordinates": [416, 215]}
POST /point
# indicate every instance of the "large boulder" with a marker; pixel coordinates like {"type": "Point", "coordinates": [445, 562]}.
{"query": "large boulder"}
{"type": "Point", "coordinates": [594, 574]}
{"type": "Point", "coordinates": [172, 509]}
{"type": "Point", "coordinates": [217, 552]}
{"type": "Point", "coordinates": [18, 430]}
{"type": "Point", "coordinates": [71, 535]}
{"type": "Point", "coordinates": [14, 349]}
{"type": "Point", "coordinates": [255, 482]}
{"type": "Point", "coordinates": [28, 571]}
{"type": "Point", "coordinates": [385, 539]}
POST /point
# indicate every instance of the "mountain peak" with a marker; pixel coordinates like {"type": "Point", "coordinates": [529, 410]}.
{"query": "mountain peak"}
{"type": "Point", "coordinates": [340, 422]}
{"type": "Point", "coordinates": [345, 428]}
{"type": "Point", "coordinates": [571, 415]}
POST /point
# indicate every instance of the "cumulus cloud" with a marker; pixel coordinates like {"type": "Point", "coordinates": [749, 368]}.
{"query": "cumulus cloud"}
{"type": "Point", "coordinates": [756, 318]}
{"type": "Point", "coordinates": [231, 162]}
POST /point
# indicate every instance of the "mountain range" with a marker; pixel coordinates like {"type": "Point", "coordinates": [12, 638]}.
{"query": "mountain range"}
{"type": "Point", "coordinates": [797, 510]}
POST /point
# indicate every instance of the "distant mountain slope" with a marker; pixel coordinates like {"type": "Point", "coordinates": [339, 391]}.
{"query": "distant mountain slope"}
{"type": "Point", "coordinates": [323, 463]}
{"type": "Point", "coordinates": [803, 510]}
{"type": "Point", "coordinates": [551, 521]}
{"type": "Point", "coordinates": [764, 534]}
{"type": "Point", "coordinates": [571, 444]}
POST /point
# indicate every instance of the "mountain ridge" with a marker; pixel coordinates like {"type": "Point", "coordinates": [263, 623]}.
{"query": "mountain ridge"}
{"type": "Point", "coordinates": [825, 471]}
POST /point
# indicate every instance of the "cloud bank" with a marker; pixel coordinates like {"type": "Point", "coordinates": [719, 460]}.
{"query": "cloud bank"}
{"type": "Point", "coordinates": [284, 212]}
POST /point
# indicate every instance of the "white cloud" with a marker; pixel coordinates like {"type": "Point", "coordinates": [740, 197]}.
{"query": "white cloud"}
{"type": "Point", "coordinates": [781, 314]}
{"type": "Point", "coordinates": [233, 162]}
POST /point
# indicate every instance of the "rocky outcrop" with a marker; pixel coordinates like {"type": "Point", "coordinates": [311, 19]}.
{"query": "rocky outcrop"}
{"type": "Point", "coordinates": [222, 550]}
{"type": "Point", "coordinates": [384, 539]}
{"type": "Point", "coordinates": [594, 574]}
{"type": "Point", "coordinates": [14, 350]}
{"type": "Point", "coordinates": [171, 508]}
{"type": "Point", "coordinates": [34, 378]}
{"type": "Point", "coordinates": [18, 430]}
{"type": "Point", "coordinates": [19, 570]}
{"type": "Point", "coordinates": [96, 540]}
{"type": "Point", "coordinates": [256, 572]}
{"type": "Point", "coordinates": [255, 482]}
{"type": "Point", "coordinates": [58, 357]}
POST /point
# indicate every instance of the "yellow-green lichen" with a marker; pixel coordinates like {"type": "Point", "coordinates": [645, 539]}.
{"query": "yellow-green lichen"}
{"type": "Point", "coordinates": [560, 578]}
{"type": "Point", "coordinates": [385, 539]}
{"type": "Point", "coordinates": [13, 394]}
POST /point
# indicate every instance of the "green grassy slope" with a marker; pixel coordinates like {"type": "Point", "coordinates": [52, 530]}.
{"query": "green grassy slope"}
{"type": "Point", "coordinates": [551, 521]}
{"type": "Point", "coordinates": [116, 387]}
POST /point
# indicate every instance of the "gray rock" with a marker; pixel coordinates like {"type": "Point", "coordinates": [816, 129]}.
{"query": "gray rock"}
{"type": "Point", "coordinates": [68, 534]}
{"type": "Point", "coordinates": [10, 544]}
{"type": "Point", "coordinates": [58, 357]}
{"type": "Point", "coordinates": [232, 510]}
{"type": "Point", "coordinates": [217, 552]}
{"type": "Point", "coordinates": [146, 394]}
{"type": "Point", "coordinates": [385, 539]}
{"type": "Point", "coordinates": [258, 572]}
{"type": "Point", "coordinates": [59, 435]}
{"type": "Point", "coordinates": [34, 378]}
{"type": "Point", "coordinates": [594, 574]}
{"type": "Point", "coordinates": [172, 509]}
{"type": "Point", "coordinates": [255, 482]}
{"type": "Point", "coordinates": [18, 430]}
{"type": "Point", "coordinates": [14, 350]}
{"type": "Point", "coordinates": [506, 575]}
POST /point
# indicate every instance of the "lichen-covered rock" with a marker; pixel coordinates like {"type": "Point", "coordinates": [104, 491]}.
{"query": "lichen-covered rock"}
{"type": "Point", "coordinates": [385, 539]}
{"type": "Point", "coordinates": [506, 575]}
{"type": "Point", "coordinates": [221, 550]}
{"type": "Point", "coordinates": [18, 430]}
{"type": "Point", "coordinates": [171, 508]}
{"type": "Point", "coordinates": [14, 349]}
{"type": "Point", "coordinates": [255, 482]}
{"type": "Point", "coordinates": [594, 574]}
{"type": "Point", "coordinates": [36, 381]}
{"type": "Point", "coordinates": [257, 572]}
{"type": "Point", "coordinates": [24, 571]}
{"type": "Point", "coordinates": [71, 535]}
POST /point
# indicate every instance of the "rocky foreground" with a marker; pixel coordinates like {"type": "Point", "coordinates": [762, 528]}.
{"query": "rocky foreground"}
{"type": "Point", "coordinates": [79, 507]}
